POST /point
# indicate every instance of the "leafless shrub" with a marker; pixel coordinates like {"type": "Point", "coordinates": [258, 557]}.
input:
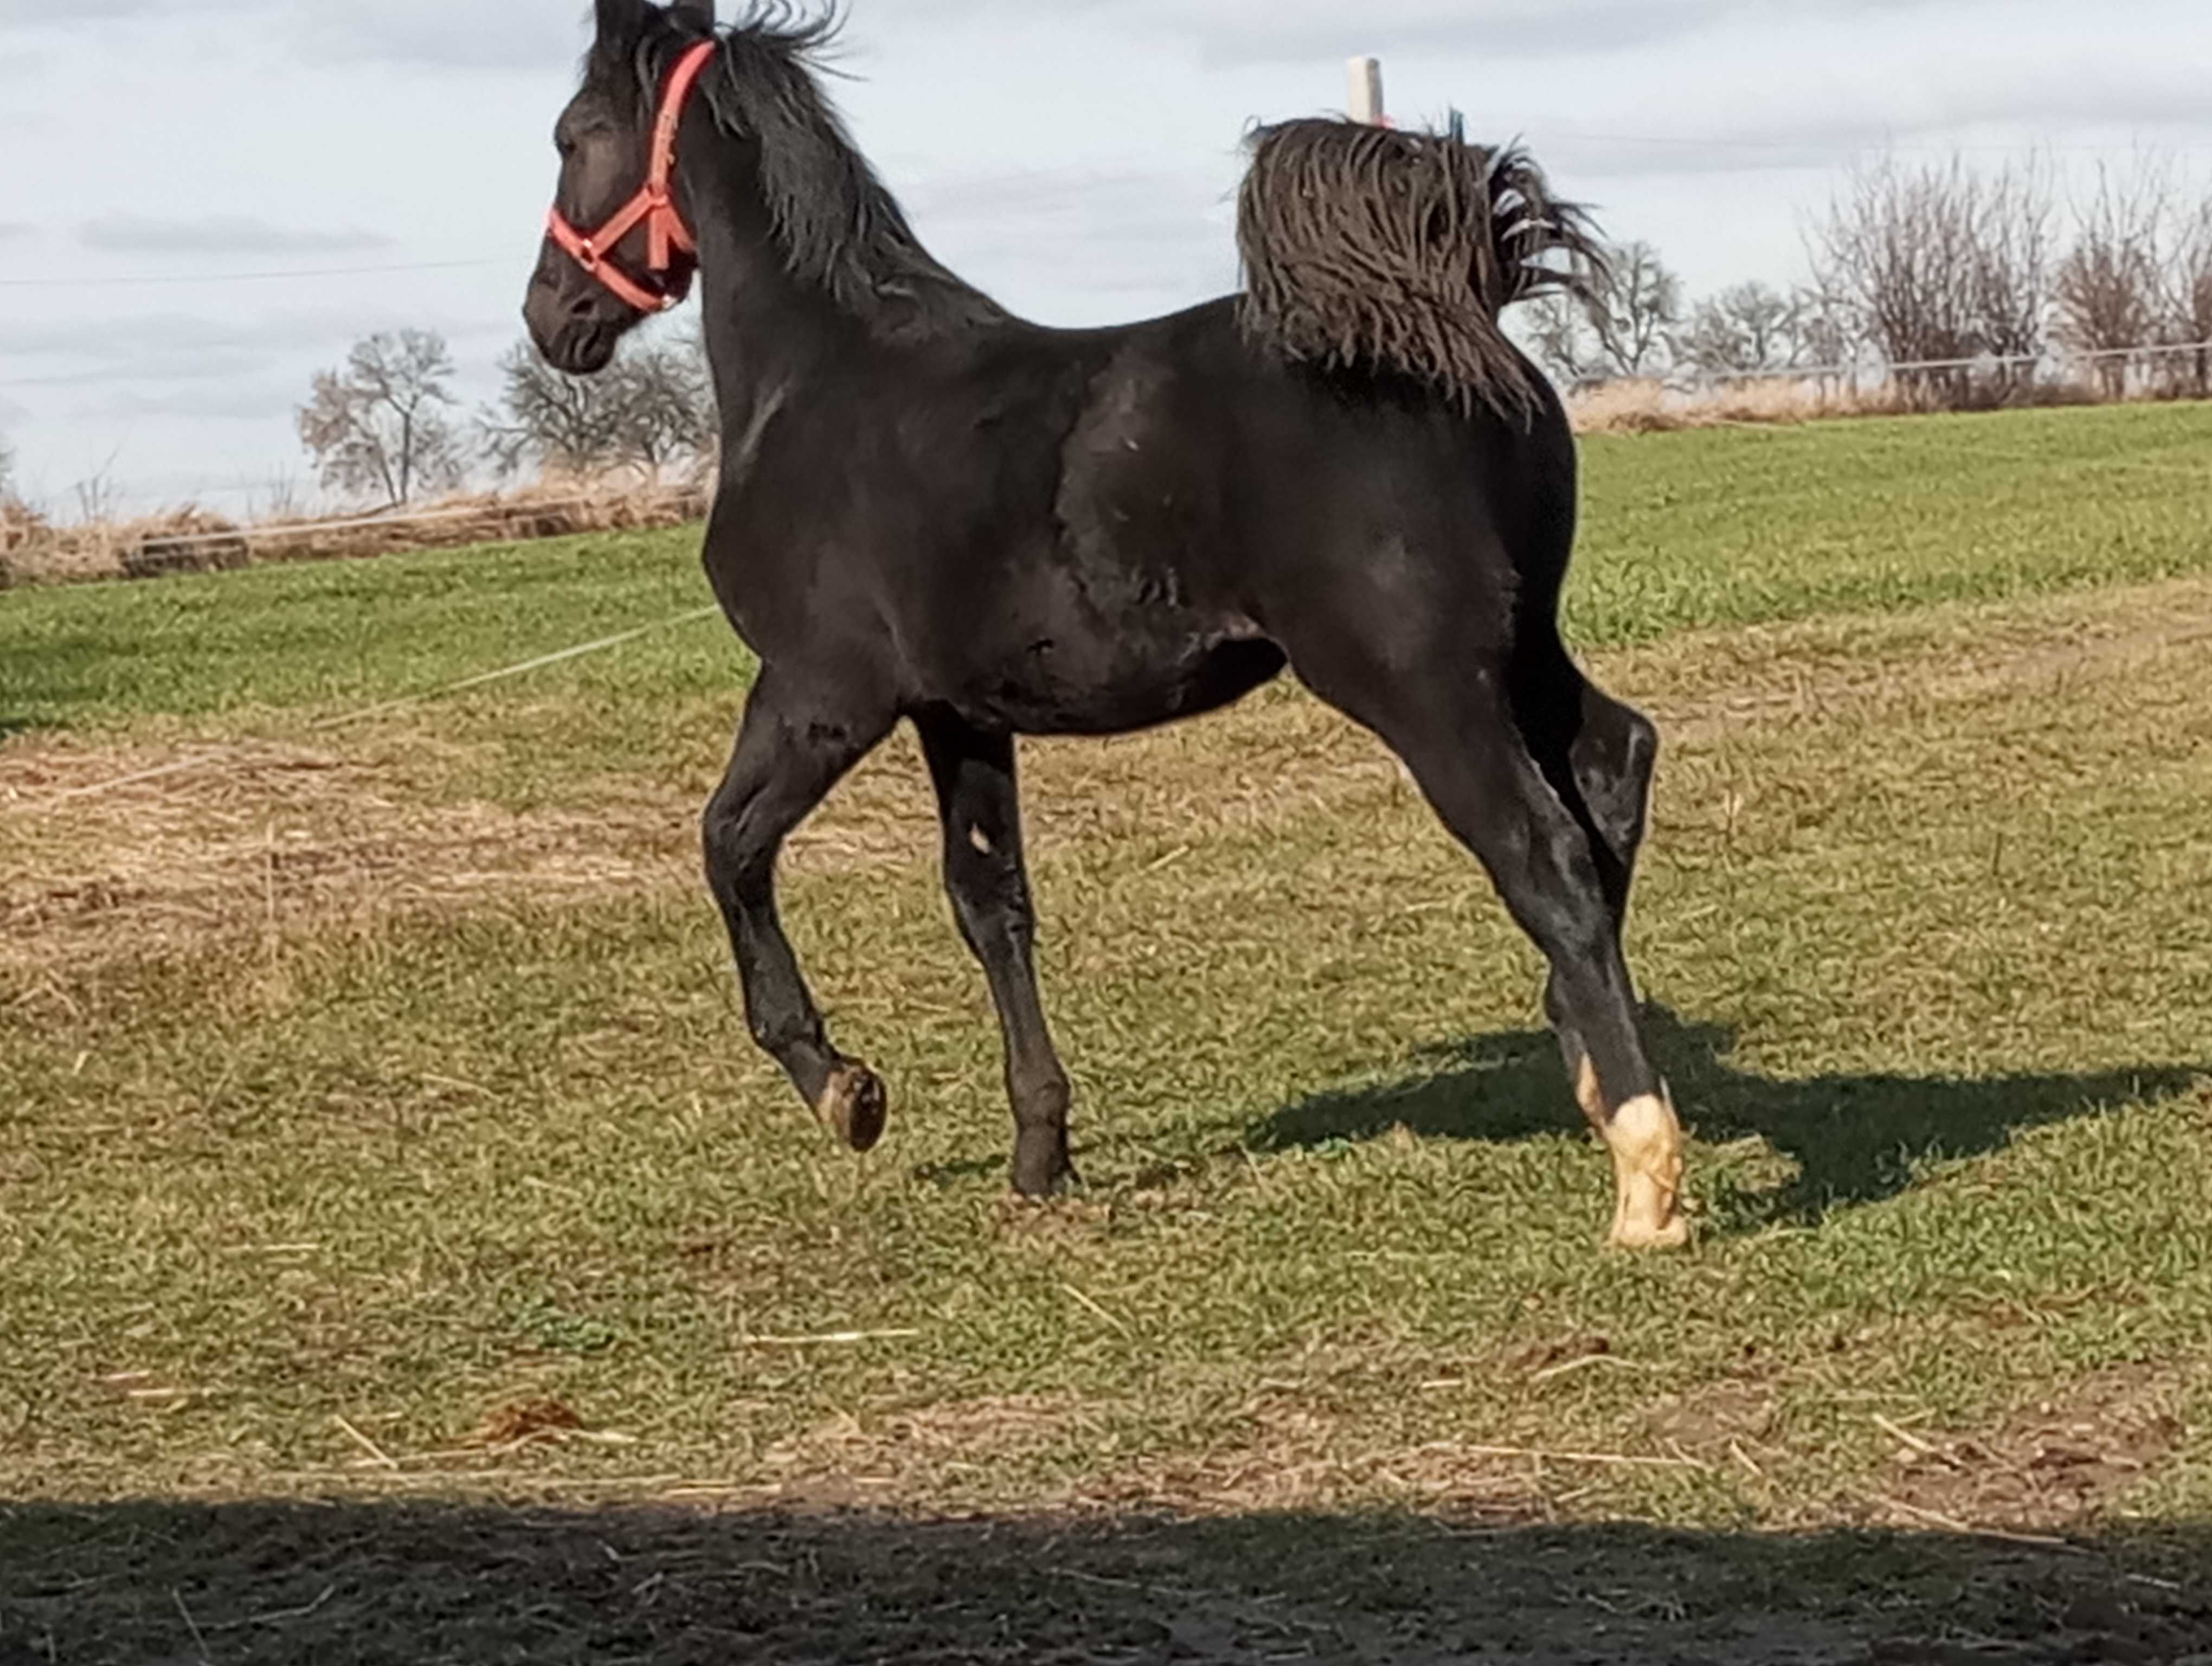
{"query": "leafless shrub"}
{"type": "Point", "coordinates": [1943, 264]}
{"type": "Point", "coordinates": [1652, 407]}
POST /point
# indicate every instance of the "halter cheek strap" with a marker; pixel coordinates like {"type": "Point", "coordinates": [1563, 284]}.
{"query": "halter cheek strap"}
{"type": "Point", "coordinates": [652, 207]}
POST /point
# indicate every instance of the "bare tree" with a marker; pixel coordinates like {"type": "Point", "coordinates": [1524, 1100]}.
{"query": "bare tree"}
{"type": "Point", "coordinates": [653, 409]}
{"type": "Point", "coordinates": [1827, 329]}
{"type": "Point", "coordinates": [2188, 300]}
{"type": "Point", "coordinates": [1559, 333]}
{"type": "Point", "coordinates": [380, 425]}
{"type": "Point", "coordinates": [1750, 327]}
{"type": "Point", "coordinates": [1639, 310]}
{"type": "Point", "coordinates": [1940, 263]}
{"type": "Point", "coordinates": [548, 417]}
{"type": "Point", "coordinates": [2108, 287]}
{"type": "Point", "coordinates": [2016, 255]}
{"type": "Point", "coordinates": [667, 395]}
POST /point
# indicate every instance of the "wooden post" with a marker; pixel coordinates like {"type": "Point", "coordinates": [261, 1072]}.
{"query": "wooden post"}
{"type": "Point", "coordinates": [1367, 104]}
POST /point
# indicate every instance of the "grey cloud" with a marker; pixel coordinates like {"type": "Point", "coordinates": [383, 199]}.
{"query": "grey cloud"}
{"type": "Point", "coordinates": [160, 346]}
{"type": "Point", "coordinates": [13, 231]}
{"type": "Point", "coordinates": [80, 13]}
{"type": "Point", "coordinates": [1112, 239]}
{"type": "Point", "coordinates": [245, 398]}
{"type": "Point", "coordinates": [1829, 143]}
{"type": "Point", "coordinates": [1229, 34]}
{"type": "Point", "coordinates": [127, 233]}
{"type": "Point", "coordinates": [524, 35]}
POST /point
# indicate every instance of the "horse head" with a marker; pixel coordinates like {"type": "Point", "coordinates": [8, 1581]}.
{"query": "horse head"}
{"type": "Point", "coordinates": [616, 248]}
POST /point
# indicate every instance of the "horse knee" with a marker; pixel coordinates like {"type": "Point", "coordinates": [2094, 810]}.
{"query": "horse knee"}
{"type": "Point", "coordinates": [737, 859]}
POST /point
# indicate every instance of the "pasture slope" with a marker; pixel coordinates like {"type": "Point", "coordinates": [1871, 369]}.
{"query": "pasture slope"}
{"type": "Point", "coordinates": [404, 1256]}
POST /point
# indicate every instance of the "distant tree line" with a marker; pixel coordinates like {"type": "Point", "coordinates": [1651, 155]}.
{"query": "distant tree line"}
{"type": "Point", "coordinates": [385, 426]}
{"type": "Point", "coordinates": [1974, 272]}
{"type": "Point", "coordinates": [1941, 264]}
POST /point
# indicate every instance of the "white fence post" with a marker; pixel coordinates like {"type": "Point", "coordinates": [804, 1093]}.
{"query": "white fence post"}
{"type": "Point", "coordinates": [1367, 104]}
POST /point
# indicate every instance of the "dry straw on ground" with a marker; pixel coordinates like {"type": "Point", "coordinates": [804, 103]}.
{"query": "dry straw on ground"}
{"type": "Point", "coordinates": [35, 551]}
{"type": "Point", "coordinates": [1650, 406]}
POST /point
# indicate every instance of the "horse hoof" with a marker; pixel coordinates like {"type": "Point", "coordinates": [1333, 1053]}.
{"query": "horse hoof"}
{"type": "Point", "coordinates": [856, 1107]}
{"type": "Point", "coordinates": [1635, 1235]}
{"type": "Point", "coordinates": [1045, 1174]}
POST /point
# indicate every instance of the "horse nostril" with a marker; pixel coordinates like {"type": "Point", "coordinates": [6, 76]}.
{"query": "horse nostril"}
{"type": "Point", "coordinates": [583, 307]}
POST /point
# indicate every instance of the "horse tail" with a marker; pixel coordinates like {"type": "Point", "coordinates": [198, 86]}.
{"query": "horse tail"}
{"type": "Point", "coordinates": [1369, 248]}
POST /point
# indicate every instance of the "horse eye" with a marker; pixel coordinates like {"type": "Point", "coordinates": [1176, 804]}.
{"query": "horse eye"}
{"type": "Point", "coordinates": [565, 145]}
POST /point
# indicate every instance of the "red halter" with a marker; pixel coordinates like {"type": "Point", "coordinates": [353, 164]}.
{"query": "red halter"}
{"type": "Point", "coordinates": [664, 230]}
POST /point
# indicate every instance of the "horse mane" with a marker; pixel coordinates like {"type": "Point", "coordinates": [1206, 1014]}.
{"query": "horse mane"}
{"type": "Point", "coordinates": [1369, 248]}
{"type": "Point", "coordinates": [840, 230]}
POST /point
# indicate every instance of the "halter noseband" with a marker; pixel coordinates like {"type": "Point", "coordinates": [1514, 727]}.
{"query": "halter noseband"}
{"type": "Point", "coordinates": [664, 230]}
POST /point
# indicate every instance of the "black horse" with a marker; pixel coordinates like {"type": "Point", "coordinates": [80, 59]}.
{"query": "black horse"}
{"type": "Point", "coordinates": [931, 510]}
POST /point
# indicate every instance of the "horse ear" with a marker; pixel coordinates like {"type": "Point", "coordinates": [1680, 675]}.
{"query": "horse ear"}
{"type": "Point", "coordinates": [620, 20]}
{"type": "Point", "coordinates": [695, 14]}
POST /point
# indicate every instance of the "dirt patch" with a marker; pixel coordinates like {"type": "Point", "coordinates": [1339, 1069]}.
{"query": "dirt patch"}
{"type": "Point", "coordinates": [2059, 1464]}
{"type": "Point", "coordinates": [265, 837]}
{"type": "Point", "coordinates": [912, 1454]}
{"type": "Point", "coordinates": [1719, 1422]}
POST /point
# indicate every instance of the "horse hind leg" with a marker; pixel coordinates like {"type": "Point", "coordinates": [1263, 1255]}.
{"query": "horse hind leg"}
{"type": "Point", "coordinates": [1568, 893]}
{"type": "Point", "coordinates": [1460, 738]}
{"type": "Point", "coordinates": [793, 749]}
{"type": "Point", "coordinates": [1600, 755]}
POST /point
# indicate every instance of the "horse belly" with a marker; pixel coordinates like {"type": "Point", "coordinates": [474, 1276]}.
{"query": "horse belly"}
{"type": "Point", "coordinates": [1092, 688]}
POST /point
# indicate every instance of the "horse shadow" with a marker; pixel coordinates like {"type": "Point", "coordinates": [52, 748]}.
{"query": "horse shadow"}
{"type": "Point", "coordinates": [1855, 1139]}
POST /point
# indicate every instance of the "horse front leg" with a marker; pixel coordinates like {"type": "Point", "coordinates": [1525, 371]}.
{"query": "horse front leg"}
{"type": "Point", "coordinates": [796, 743]}
{"type": "Point", "coordinates": [979, 800]}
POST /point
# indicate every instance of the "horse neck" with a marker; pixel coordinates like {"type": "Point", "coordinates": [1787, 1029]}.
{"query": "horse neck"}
{"type": "Point", "coordinates": [766, 330]}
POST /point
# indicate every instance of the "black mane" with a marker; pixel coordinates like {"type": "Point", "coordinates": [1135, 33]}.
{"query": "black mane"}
{"type": "Point", "coordinates": [841, 231]}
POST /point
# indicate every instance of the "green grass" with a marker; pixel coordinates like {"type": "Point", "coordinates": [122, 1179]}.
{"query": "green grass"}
{"type": "Point", "coordinates": [1918, 930]}
{"type": "Point", "coordinates": [1683, 532]}
{"type": "Point", "coordinates": [337, 636]}
{"type": "Point", "coordinates": [536, 1155]}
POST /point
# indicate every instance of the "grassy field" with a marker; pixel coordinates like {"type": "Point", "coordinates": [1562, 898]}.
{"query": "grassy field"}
{"type": "Point", "coordinates": [378, 1129]}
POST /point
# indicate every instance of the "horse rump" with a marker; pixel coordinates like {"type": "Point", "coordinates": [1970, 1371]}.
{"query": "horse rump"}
{"type": "Point", "coordinates": [1369, 248]}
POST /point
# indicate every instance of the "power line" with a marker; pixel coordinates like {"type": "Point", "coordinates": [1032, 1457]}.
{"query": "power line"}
{"type": "Point", "coordinates": [179, 278]}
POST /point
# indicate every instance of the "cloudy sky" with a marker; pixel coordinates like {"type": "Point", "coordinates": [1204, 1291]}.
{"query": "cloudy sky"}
{"type": "Point", "coordinates": [203, 201]}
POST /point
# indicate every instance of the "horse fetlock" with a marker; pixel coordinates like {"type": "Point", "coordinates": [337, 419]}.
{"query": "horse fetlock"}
{"type": "Point", "coordinates": [1590, 1094]}
{"type": "Point", "coordinates": [1645, 1137]}
{"type": "Point", "coordinates": [854, 1106]}
{"type": "Point", "coordinates": [1044, 1166]}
